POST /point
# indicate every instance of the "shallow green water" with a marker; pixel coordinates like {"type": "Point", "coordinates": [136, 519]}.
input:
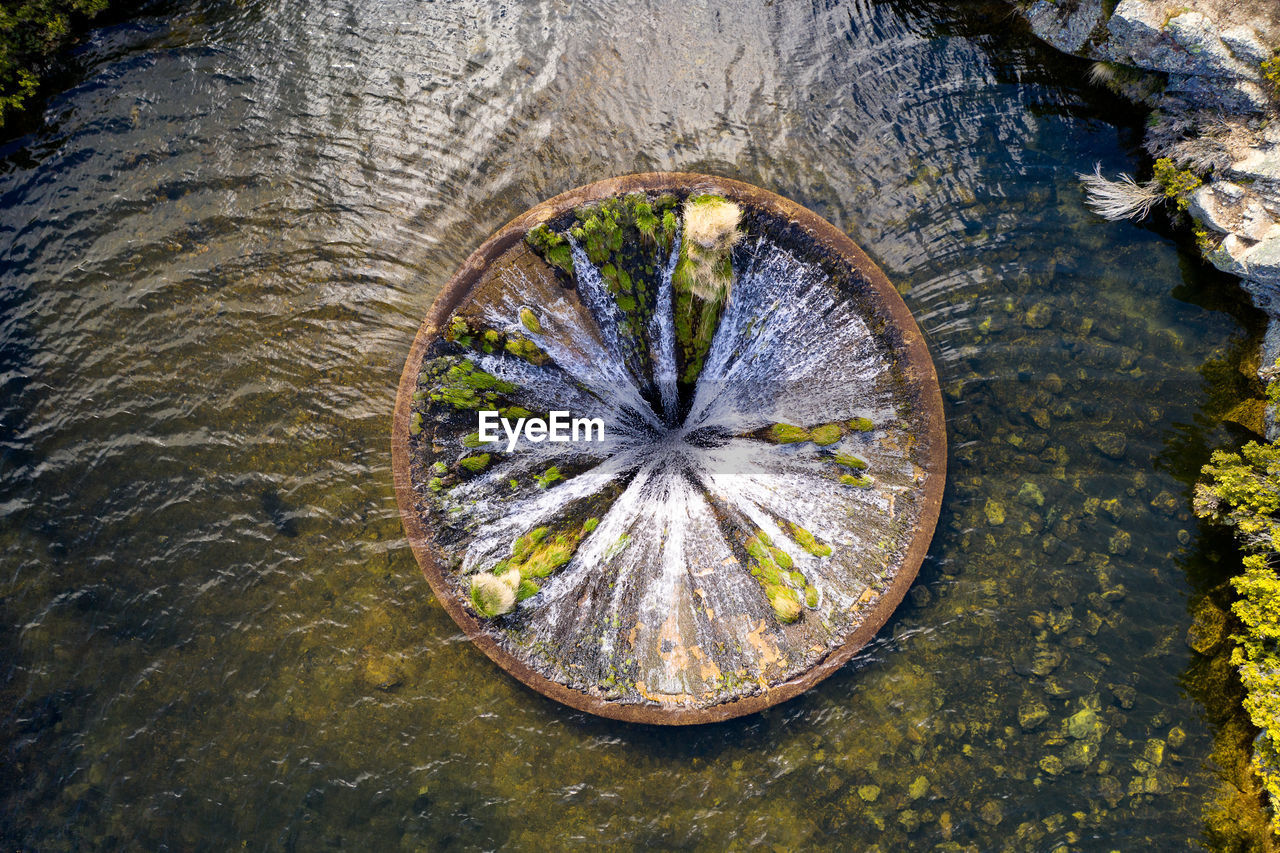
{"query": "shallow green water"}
{"type": "Point", "coordinates": [214, 260]}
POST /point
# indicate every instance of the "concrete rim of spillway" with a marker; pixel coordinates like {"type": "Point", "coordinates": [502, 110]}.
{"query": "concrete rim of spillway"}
{"type": "Point", "coordinates": [918, 370]}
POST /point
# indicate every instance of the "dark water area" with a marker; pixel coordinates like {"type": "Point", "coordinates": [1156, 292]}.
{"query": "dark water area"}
{"type": "Point", "coordinates": [213, 259]}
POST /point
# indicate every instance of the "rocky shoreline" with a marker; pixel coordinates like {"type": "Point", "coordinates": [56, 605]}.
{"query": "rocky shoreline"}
{"type": "Point", "coordinates": [1210, 72]}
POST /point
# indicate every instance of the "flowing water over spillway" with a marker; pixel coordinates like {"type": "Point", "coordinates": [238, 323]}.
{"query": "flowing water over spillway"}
{"type": "Point", "coordinates": [214, 260]}
{"type": "Point", "coordinates": [768, 467]}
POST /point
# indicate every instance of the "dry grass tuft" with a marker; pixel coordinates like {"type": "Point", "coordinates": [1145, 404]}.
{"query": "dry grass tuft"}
{"type": "Point", "coordinates": [710, 233]}
{"type": "Point", "coordinates": [1121, 199]}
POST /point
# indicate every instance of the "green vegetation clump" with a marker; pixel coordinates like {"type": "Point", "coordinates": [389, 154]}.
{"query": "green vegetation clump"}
{"type": "Point", "coordinates": [492, 596]}
{"type": "Point", "coordinates": [616, 548]}
{"type": "Point", "coordinates": [460, 332]}
{"type": "Point", "coordinates": [548, 477]}
{"type": "Point", "coordinates": [783, 586]}
{"type": "Point", "coordinates": [522, 347]}
{"type": "Point", "coordinates": [476, 464]}
{"type": "Point", "coordinates": [553, 247]}
{"type": "Point", "coordinates": [31, 31]}
{"type": "Point", "coordinates": [539, 553]}
{"type": "Point", "coordinates": [1176, 184]}
{"type": "Point", "coordinates": [858, 482]}
{"type": "Point", "coordinates": [628, 240]}
{"type": "Point", "coordinates": [463, 386]}
{"type": "Point", "coordinates": [646, 222]}
{"type": "Point", "coordinates": [703, 276]}
{"type": "Point", "coordinates": [848, 460]}
{"type": "Point", "coordinates": [1243, 492]}
{"type": "Point", "coordinates": [785, 602]}
{"type": "Point", "coordinates": [534, 556]}
{"type": "Point", "coordinates": [473, 441]}
{"type": "Point", "coordinates": [668, 232]}
{"type": "Point", "coordinates": [489, 341]}
{"type": "Point", "coordinates": [808, 541]}
{"type": "Point", "coordinates": [861, 425]}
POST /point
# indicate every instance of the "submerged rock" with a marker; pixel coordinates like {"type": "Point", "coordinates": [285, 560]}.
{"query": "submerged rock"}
{"type": "Point", "coordinates": [1052, 765]}
{"type": "Point", "coordinates": [1208, 626]}
{"type": "Point", "coordinates": [1038, 316]}
{"type": "Point", "coordinates": [1085, 725]}
{"type": "Point", "coordinates": [1109, 444]}
{"type": "Point", "coordinates": [1030, 495]}
{"type": "Point", "coordinates": [1032, 715]}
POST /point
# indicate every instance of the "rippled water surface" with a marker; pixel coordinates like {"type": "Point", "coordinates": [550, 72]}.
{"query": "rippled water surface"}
{"type": "Point", "coordinates": [214, 259]}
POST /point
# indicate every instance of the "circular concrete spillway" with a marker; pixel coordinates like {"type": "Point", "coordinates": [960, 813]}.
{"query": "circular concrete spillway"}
{"type": "Point", "coordinates": [757, 465]}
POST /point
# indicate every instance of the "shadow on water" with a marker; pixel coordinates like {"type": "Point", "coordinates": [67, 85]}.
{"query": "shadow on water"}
{"type": "Point", "coordinates": [1236, 816]}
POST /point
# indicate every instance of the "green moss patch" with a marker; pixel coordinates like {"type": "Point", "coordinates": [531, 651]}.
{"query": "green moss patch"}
{"type": "Point", "coordinates": [788, 434]}
{"type": "Point", "coordinates": [826, 434]}
{"type": "Point", "coordinates": [460, 384]}
{"type": "Point", "coordinates": [475, 464]}
{"type": "Point", "coordinates": [808, 541]}
{"type": "Point", "coordinates": [848, 460]}
{"type": "Point", "coordinates": [783, 586]}
{"type": "Point", "coordinates": [548, 477]}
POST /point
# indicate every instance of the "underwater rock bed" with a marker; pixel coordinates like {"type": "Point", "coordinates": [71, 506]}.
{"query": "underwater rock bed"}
{"type": "Point", "coordinates": [771, 466]}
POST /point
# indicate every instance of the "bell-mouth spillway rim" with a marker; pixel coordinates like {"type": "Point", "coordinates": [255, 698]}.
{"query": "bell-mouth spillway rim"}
{"type": "Point", "coordinates": [918, 368]}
